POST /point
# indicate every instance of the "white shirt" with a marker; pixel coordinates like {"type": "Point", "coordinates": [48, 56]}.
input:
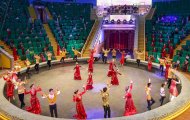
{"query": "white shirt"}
{"type": "Point", "coordinates": [162, 92]}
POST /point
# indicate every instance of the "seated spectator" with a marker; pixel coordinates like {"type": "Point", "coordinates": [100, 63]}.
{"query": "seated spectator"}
{"type": "Point", "coordinates": [42, 57]}
{"type": "Point", "coordinates": [176, 30]}
{"type": "Point", "coordinates": [177, 64]}
{"type": "Point", "coordinates": [187, 57]}
{"type": "Point", "coordinates": [185, 66]}
{"type": "Point", "coordinates": [27, 52]}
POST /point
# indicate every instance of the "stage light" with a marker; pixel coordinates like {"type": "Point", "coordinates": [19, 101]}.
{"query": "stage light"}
{"type": "Point", "coordinates": [106, 21]}
{"type": "Point", "coordinates": [124, 21]}
{"type": "Point", "coordinates": [118, 21]}
{"type": "Point", "coordinates": [112, 21]}
{"type": "Point", "coordinates": [130, 21]}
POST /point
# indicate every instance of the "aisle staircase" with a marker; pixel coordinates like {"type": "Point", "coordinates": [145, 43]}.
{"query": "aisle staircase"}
{"type": "Point", "coordinates": [48, 13]}
{"type": "Point", "coordinates": [93, 15]}
{"type": "Point", "coordinates": [150, 14]}
{"type": "Point", "coordinates": [51, 38]}
{"type": "Point", "coordinates": [6, 47]}
{"type": "Point", "coordinates": [182, 43]}
{"type": "Point", "coordinates": [32, 13]}
{"type": "Point", "coordinates": [85, 50]}
{"type": "Point", "coordinates": [20, 62]}
{"type": "Point", "coordinates": [141, 36]}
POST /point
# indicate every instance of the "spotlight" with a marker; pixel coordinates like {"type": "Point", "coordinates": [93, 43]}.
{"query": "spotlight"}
{"type": "Point", "coordinates": [106, 21]}
{"type": "Point", "coordinates": [112, 21]}
{"type": "Point", "coordinates": [124, 21]}
{"type": "Point", "coordinates": [118, 21]}
{"type": "Point", "coordinates": [130, 21]}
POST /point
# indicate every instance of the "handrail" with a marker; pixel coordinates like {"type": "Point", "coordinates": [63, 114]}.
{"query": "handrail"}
{"type": "Point", "coordinates": [88, 38]}
{"type": "Point", "coordinates": [149, 17]}
{"type": "Point", "coordinates": [97, 34]}
{"type": "Point", "coordinates": [4, 117]}
{"type": "Point", "coordinates": [144, 39]}
{"type": "Point", "coordinates": [5, 17]}
{"type": "Point", "coordinates": [9, 56]}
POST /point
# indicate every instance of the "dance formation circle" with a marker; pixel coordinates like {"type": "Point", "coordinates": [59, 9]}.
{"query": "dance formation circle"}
{"type": "Point", "coordinates": [61, 77]}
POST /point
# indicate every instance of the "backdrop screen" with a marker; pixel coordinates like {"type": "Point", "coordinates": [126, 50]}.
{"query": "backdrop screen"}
{"type": "Point", "coordinates": [123, 2]}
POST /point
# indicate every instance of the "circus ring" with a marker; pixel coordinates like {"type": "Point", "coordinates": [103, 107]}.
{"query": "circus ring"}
{"type": "Point", "coordinates": [167, 111]}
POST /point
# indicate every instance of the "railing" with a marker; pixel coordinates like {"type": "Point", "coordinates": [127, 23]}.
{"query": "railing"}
{"type": "Point", "coordinates": [5, 17]}
{"type": "Point", "coordinates": [10, 57]}
{"type": "Point", "coordinates": [136, 32]}
{"type": "Point", "coordinates": [97, 34]}
{"type": "Point", "coordinates": [151, 13]}
{"type": "Point", "coordinates": [88, 38]}
{"type": "Point", "coordinates": [144, 38]}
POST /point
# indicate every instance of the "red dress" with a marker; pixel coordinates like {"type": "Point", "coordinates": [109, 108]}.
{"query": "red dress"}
{"type": "Point", "coordinates": [173, 89]}
{"type": "Point", "coordinates": [92, 54]}
{"type": "Point", "coordinates": [130, 108]}
{"type": "Point", "coordinates": [58, 50]}
{"type": "Point", "coordinates": [35, 104]}
{"type": "Point", "coordinates": [77, 73]}
{"type": "Point", "coordinates": [81, 114]}
{"type": "Point", "coordinates": [163, 54]}
{"type": "Point", "coordinates": [122, 61]}
{"type": "Point", "coordinates": [167, 69]}
{"type": "Point", "coordinates": [171, 52]}
{"type": "Point", "coordinates": [149, 65]}
{"type": "Point", "coordinates": [90, 65]}
{"type": "Point", "coordinates": [114, 78]}
{"type": "Point", "coordinates": [111, 64]}
{"type": "Point", "coordinates": [15, 53]}
{"type": "Point", "coordinates": [10, 87]}
{"type": "Point", "coordinates": [89, 83]}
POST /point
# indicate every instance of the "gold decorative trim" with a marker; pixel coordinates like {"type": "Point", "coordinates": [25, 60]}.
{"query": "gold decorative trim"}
{"type": "Point", "coordinates": [178, 112]}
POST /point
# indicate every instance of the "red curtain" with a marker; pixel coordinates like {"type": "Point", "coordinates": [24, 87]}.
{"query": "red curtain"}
{"type": "Point", "coordinates": [119, 39]}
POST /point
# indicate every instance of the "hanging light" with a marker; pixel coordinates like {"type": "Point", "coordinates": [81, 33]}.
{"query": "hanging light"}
{"type": "Point", "coordinates": [106, 21]}
{"type": "Point", "coordinates": [124, 21]}
{"type": "Point", "coordinates": [112, 21]}
{"type": "Point", "coordinates": [118, 21]}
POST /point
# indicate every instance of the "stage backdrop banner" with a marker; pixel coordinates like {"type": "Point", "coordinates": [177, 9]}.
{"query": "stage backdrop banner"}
{"type": "Point", "coordinates": [119, 39]}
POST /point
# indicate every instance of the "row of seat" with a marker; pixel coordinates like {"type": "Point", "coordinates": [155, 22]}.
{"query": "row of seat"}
{"type": "Point", "coordinates": [20, 32]}
{"type": "Point", "coordinates": [162, 32]}
{"type": "Point", "coordinates": [71, 24]}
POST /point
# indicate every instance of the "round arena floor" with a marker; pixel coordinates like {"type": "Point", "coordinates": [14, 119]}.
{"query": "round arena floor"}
{"type": "Point", "coordinates": [61, 77]}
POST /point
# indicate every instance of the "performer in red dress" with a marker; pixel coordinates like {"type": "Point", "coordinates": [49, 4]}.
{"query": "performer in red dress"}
{"type": "Point", "coordinates": [122, 60]}
{"type": "Point", "coordinates": [58, 50]}
{"type": "Point", "coordinates": [92, 51]}
{"type": "Point", "coordinates": [35, 104]}
{"type": "Point", "coordinates": [173, 89]}
{"type": "Point", "coordinates": [77, 72]}
{"type": "Point", "coordinates": [15, 53]}
{"type": "Point", "coordinates": [130, 108]}
{"type": "Point", "coordinates": [77, 97]}
{"type": "Point", "coordinates": [167, 68]}
{"type": "Point", "coordinates": [164, 53]}
{"type": "Point", "coordinates": [114, 78]}
{"type": "Point", "coordinates": [149, 64]}
{"type": "Point", "coordinates": [9, 86]}
{"type": "Point", "coordinates": [171, 52]}
{"type": "Point", "coordinates": [90, 64]}
{"type": "Point", "coordinates": [111, 65]}
{"type": "Point", "coordinates": [89, 82]}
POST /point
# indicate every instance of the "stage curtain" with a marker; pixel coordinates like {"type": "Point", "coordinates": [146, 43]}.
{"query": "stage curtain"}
{"type": "Point", "coordinates": [119, 39]}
